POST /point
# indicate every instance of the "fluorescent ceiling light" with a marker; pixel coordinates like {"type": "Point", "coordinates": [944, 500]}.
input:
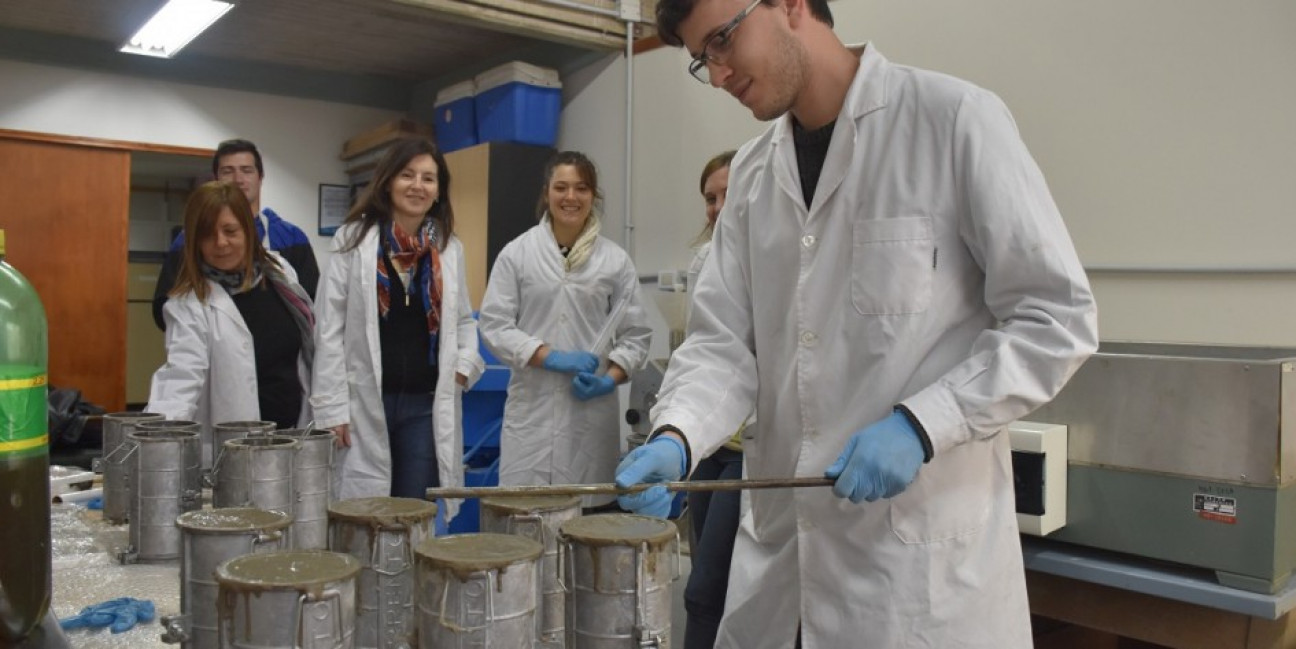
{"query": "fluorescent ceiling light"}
{"type": "Point", "coordinates": [174, 25]}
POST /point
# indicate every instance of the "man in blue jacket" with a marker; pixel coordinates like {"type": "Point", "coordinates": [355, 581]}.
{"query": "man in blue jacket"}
{"type": "Point", "coordinates": [239, 162]}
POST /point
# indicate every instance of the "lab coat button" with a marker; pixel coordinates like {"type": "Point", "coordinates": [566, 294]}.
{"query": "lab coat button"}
{"type": "Point", "coordinates": [808, 240]}
{"type": "Point", "coordinates": [808, 339]}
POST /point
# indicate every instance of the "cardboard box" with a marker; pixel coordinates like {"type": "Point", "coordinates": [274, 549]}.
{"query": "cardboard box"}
{"type": "Point", "coordinates": [384, 134]}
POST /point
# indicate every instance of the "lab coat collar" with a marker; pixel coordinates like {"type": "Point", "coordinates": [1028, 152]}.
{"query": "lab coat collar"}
{"type": "Point", "coordinates": [867, 93]}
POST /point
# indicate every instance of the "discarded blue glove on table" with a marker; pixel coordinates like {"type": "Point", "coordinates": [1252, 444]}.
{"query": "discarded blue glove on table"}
{"type": "Point", "coordinates": [879, 461]}
{"type": "Point", "coordinates": [570, 362]}
{"type": "Point", "coordinates": [661, 460]}
{"type": "Point", "coordinates": [119, 615]}
{"type": "Point", "coordinates": [586, 385]}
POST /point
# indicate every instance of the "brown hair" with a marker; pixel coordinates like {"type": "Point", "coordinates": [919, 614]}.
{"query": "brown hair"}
{"type": "Point", "coordinates": [374, 204]}
{"type": "Point", "coordinates": [584, 167]}
{"type": "Point", "coordinates": [204, 207]}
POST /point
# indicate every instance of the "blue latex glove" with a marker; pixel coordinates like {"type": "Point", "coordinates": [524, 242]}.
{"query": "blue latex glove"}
{"type": "Point", "coordinates": [586, 385]}
{"type": "Point", "coordinates": [570, 362]}
{"type": "Point", "coordinates": [661, 460]}
{"type": "Point", "coordinates": [879, 461]}
{"type": "Point", "coordinates": [95, 503]}
{"type": "Point", "coordinates": [119, 615]}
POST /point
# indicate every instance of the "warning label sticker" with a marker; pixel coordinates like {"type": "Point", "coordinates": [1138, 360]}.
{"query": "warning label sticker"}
{"type": "Point", "coordinates": [1222, 509]}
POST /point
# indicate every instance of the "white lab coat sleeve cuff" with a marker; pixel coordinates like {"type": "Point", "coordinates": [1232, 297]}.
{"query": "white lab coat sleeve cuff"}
{"type": "Point", "coordinates": [526, 350]}
{"type": "Point", "coordinates": [328, 416]}
{"type": "Point", "coordinates": [687, 427]}
{"type": "Point", "coordinates": [939, 412]}
{"type": "Point", "coordinates": [471, 366]}
{"type": "Point", "coordinates": [172, 410]}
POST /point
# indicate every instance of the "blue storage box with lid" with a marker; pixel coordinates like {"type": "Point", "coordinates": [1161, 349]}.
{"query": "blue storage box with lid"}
{"type": "Point", "coordinates": [518, 102]}
{"type": "Point", "coordinates": [456, 116]}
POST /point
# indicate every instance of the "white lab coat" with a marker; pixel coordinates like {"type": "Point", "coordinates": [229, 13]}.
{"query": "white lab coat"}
{"type": "Point", "coordinates": [348, 367]}
{"type": "Point", "coordinates": [932, 269]}
{"type": "Point", "coordinates": [210, 372]}
{"type": "Point", "coordinates": [549, 436]}
{"type": "Point", "coordinates": [694, 271]}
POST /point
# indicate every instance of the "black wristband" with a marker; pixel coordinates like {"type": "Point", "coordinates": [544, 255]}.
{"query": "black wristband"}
{"type": "Point", "coordinates": [923, 438]}
{"type": "Point", "coordinates": [688, 452]}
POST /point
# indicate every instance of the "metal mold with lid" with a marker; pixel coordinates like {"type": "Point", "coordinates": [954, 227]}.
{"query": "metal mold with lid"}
{"type": "Point", "coordinates": [478, 590]}
{"type": "Point", "coordinates": [288, 599]}
{"type": "Point", "coordinates": [210, 538]}
{"type": "Point", "coordinates": [381, 533]}
{"type": "Point", "coordinates": [617, 570]}
{"type": "Point", "coordinates": [537, 518]}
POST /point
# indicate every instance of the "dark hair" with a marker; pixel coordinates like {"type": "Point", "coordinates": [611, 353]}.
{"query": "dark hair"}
{"type": "Point", "coordinates": [201, 212]}
{"type": "Point", "coordinates": [230, 147]}
{"type": "Point", "coordinates": [670, 13]}
{"type": "Point", "coordinates": [584, 167]}
{"type": "Point", "coordinates": [374, 204]}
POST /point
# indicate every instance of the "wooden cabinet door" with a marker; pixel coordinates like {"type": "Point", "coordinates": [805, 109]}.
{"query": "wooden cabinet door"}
{"type": "Point", "coordinates": [66, 216]}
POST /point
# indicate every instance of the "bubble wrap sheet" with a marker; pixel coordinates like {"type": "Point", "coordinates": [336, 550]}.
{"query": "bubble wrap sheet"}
{"type": "Point", "coordinates": [86, 571]}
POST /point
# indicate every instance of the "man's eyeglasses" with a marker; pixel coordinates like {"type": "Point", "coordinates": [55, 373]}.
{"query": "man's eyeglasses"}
{"type": "Point", "coordinates": [717, 46]}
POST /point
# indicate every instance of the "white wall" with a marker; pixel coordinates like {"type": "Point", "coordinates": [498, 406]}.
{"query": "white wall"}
{"type": "Point", "coordinates": [1163, 127]}
{"type": "Point", "coordinates": [299, 139]}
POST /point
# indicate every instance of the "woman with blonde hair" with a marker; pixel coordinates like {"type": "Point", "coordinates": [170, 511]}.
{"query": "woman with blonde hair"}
{"type": "Point", "coordinates": [397, 343]}
{"type": "Point", "coordinates": [714, 515]}
{"type": "Point", "coordinates": [239, 333]}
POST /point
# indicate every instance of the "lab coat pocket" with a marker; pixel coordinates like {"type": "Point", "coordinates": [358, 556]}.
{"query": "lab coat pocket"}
{"type": "Point", "coordinates": [946, 501]}
{"type": "Point", "coordinates": [892, 263]}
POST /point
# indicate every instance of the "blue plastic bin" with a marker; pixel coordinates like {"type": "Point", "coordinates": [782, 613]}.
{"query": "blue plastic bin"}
{"type": "Point", "coordinates": [518, 102]}
{"type": "Point", "coordinates": [456, 117]}
{"type": "Point", "coordinates": [483, 417]}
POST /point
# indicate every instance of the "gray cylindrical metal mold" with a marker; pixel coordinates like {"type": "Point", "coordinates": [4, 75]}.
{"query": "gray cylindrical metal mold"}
{"type": "Point", "coordinates": [312, 477]}
{"type": "Point", "coordinates": [617, 570]}
{"type": "Point", "coordinates": [116, 490]}
{"type": "Point", "coordinates": [227, 430]}
{"type": "Point", "coordinates": [256, 472]}
{"type": "Point", "coordinates": [478, 590]}
{"type": "Point", "coordinates": [286, 600]}
{"type": "Point", "coordinates": [212, 537]}
{"type": "Point", "coordinates": [381, 533]}
{"type": "Point", "coordinates": [164, 483]}
{"type": "Point", "coordinates": [537, 518]}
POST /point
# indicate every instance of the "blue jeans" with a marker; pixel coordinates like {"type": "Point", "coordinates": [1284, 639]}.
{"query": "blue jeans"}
{"type": "Point", "coordinates": [413, 445]}
{"type": "Point", "coordinates": [715, 524]}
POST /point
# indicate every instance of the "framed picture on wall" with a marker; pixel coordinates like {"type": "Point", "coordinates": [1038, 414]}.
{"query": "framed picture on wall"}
{"type": "Point", "coordinates": [334, 201]}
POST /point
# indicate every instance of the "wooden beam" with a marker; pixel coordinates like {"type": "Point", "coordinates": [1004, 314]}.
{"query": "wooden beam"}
{"type": "Point", "coordinates": [532, 18]}
{"type": "Point", "coordinates": [648, 44]}
{"type": "Point", "coordinates": [101, 143]}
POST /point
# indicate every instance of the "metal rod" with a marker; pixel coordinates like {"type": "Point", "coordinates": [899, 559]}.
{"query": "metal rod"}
{"type": "Point", "coordinates": [611, 488]}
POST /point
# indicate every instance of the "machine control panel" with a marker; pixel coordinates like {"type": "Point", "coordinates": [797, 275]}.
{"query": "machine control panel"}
{"type": "Point", "coordinates": [1039, 459]}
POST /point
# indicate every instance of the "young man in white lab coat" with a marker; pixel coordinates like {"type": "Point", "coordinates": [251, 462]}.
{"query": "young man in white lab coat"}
{"type": "Point", "coordinates": [892, 276]}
